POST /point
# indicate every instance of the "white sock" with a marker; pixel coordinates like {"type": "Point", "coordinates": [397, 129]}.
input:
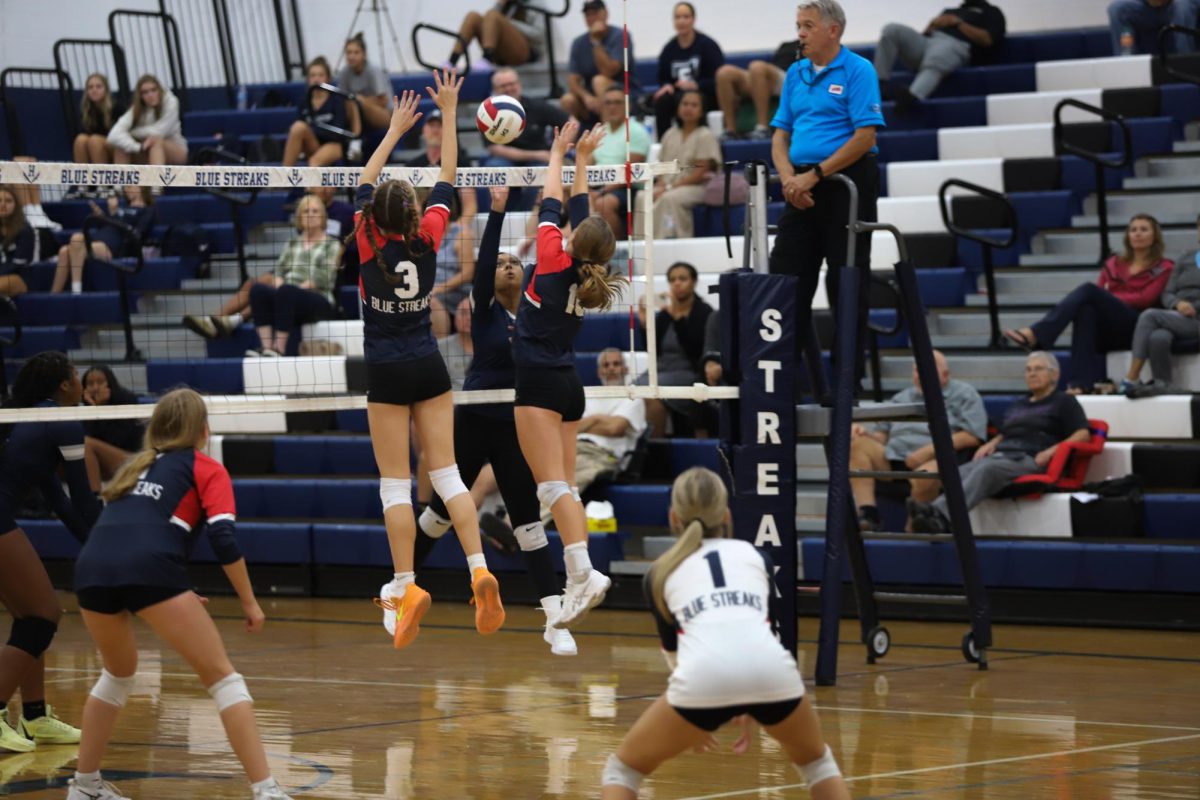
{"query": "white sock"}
{"type": "Point", "coordinates": [402, 579]}
{"type": "Point", "coordinates": [477, 561]}
{"type": "Point", "coordinates": [76, 287]}
{"type": "Point", "coordinates": [234, 320]}
{"type": "Point", "coordinates": [88, 780]}
{"type": "Point", "coordinates": [578, 562]}
{"type": "Point", "coordinates": [552, 605]}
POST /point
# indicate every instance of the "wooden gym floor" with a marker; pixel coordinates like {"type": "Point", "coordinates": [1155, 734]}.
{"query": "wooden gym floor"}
{"type": "Point", "coordinates": [1063, 713]}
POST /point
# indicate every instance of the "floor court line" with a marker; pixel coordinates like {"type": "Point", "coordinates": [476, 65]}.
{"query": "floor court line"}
{"type": "Point", "coordinates": [947, 767]}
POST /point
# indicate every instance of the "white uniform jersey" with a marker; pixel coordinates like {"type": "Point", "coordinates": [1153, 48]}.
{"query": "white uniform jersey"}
{"type": "Point", "coordinates": [720, 600]}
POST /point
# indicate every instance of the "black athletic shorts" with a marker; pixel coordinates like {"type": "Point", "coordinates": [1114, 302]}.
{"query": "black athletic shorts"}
{"type": "Point", "coordinates": [554, 388]}
{"type": "Point", "coordinates": [709, 719]}
{"type": "Point", "coordinates": [402, 383]}
{"type": "Point", "coordinates": [115, 599]}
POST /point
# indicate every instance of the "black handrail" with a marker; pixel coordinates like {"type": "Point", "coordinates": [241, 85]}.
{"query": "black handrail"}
{"type": "Point", "coordinates": [1164, 56]}
{"type": "Point", "coordinates": [989, 274]}
{"type": "Point", "coordinates": [547, 17]}
{"type": "Point", "coordinates": [348, 97]}
{"type": "Point", "coordinates": [171, 43]}
{"type": "Point", "coordinates": [130, 235]}
{"type": "Point", "coordinates": [1062, 145]}
{"type": "Point", "coordinates": [466, 70]}
{"type": "Point", "coordinates": [236, 200]}
{"type": "Point", "coordinates": [875, 330]}
{"type": "Point", "coordinates": [16, 138]}
{"type": "Point", "coordinates": [9, 315]}
{"type": "Point", "coordinates": [123, 90]}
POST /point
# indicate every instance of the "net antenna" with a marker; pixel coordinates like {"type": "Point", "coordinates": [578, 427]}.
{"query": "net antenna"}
{"type": "Point", "coordinates": [377, 9]}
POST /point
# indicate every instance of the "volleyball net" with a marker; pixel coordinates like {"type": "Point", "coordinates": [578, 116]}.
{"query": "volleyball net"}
{"type": "Point", "coordinates": [169, 275]}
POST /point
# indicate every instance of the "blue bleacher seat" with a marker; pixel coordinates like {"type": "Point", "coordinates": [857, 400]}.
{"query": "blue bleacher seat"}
{"type": "Point", "coordinates": [944, 286]}
{"type": "Point", "coordinates": [93, 308]}
{"type": "Point", "coordinates": [354, 421]}
{"type": "Point", "coordinates": [50, 538]}
{"type": "Point", "coordinates": [1172, 516]}
{"type": "Point", "coordinates": [608, 330]}
{"type": "Point", "coordinates": [639, 504]}
{"type": "Point", "coordinates": [939, 112]}
{"type": "Point", "coordinates": [217, 376]}
{"type": "Point", "coordinates": [907, 146]}
{"type": "Point", "coordinates": [35, 339]}
{"type": "Point", "coordinates": [688, 453]}
{"type": "Point", "coordinates": [266, 543]}
{"type": "Point", "coordinates": [321, 455]}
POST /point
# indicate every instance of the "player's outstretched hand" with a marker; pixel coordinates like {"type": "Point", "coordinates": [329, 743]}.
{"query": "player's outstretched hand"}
{"type": "Point", "coordinates": [444, 92]}
{"type": "Point", "coordinates": [590, 140]}
{"type": "Point", "coordinates": [499, 197]}
{"type": "Point", "coordinates": [564, 137]}
{"type": "Point", "coordinates": [404, 113]}
{"type": "Point", "coordinates": [255, 618]}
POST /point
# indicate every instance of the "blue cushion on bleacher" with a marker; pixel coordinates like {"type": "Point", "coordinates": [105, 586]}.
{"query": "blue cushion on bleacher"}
{"type": "Point", "coordinates": [353, 421]}
{"type": "Point", "coordinates": [939, 112]}
{"type": "Point", "coordinates": [310, 497]}
{"type": "Point", "coordinates": [944, 286]}
{"type": "Point", "coordinates": [35, 339]}
{"type": "Point", "coordinates": [1180, 101]}
{"type": "Point", "coordinates": [688, 453]}
{"type": "Point", "coordinates": [639, 504]}
{"type": "Point", "coordinates": [50, 538]}
{"type": "Point", "coordinates": [217, 376]}
{"type": "Point", "coordinates": [235, 346]}
{"type": "Point", "coordinates": [93, 308]}
{"type": "Point", "coordinates": [1172, 516]}
{"type": "Point", "coordinates": [907, 146]}
{"type": "Point", "coordinates": [607, 330]}
{"type": "Point", "coordinates": [1148, 135]}
{"type": "Point", "coordinates": [351, 545]}
{"type": "Point", "coordinates": [259, 121]}
{"type": "Point", "coordinates": [980, 81]}
{"type": "Point", "coordinates": [266, 543]}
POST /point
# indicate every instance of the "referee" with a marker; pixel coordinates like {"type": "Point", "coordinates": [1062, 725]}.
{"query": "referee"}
{"type": "Point", "coordinates": [828, 112]}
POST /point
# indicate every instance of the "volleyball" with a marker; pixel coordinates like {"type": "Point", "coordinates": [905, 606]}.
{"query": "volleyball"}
{"type": "Point", "coordinates": [500, 118]}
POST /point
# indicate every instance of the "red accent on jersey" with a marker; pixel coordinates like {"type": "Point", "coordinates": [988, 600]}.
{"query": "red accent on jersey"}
{"type": "Point", "coordinates": [550, 257]}
{"type": "Point", "coordinates": [212, 494]}
{"type": "Point", "coordinates": [434, 222]}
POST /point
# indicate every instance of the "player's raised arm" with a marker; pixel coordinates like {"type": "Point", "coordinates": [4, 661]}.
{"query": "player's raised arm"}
{"type": "Point", "coordinates": [564, 137]}
{"type": "Point", "coordinates": [404, 116]}
{"type": "Point", "coordinates": [584, 148]}
{"type": "Point", "coordinates": [445, 94]}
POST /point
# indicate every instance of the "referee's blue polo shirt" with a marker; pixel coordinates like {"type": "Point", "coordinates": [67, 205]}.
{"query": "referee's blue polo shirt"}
{"type": "Point", "coordinates": [823, 109]}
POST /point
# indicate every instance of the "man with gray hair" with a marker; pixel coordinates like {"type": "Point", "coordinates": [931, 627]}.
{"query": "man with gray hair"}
{"type": "Point", "coordinates": [829, 110]}
{"type": "Point", "coordinates": [1032, 430]}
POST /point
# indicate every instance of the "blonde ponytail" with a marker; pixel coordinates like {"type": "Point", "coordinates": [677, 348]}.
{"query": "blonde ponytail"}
{"type": "Point", "coordinates": [179, 422]}
{"type": "Point", "coordinates": [699, 502]}
{"type": "Point", "coordinates": [599, 286]}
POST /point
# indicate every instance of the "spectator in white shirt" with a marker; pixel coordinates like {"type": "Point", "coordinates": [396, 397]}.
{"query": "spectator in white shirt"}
{"type": "Point", "coordinates": [150, 132]}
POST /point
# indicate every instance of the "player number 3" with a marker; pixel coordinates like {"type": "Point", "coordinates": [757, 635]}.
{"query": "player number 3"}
{"type": "Point", "coordinates": [410, 284]}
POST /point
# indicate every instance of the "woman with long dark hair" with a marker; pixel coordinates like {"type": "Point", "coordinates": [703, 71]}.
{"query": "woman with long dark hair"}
{"type": "Point", "coordinates": [32, 454]}
{"type": "Point", "coordinates": [98, 111]}
{"type": "Point", "coordinates": [110, 442]}
{"type": "Point", "coordinates": [16, 243]}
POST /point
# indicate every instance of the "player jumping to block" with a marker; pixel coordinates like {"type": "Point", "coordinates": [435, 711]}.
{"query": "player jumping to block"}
{"type": "Point", "coordinates": [406, 377]}
{"type": "Point", "coordinates": [713, 599]}
{"type": "Point", "coordinates": [135, 563]}
{"type": "Point", "coordinates": [487, 434]}
{"type": "Point", "coordinates": [571, 275]}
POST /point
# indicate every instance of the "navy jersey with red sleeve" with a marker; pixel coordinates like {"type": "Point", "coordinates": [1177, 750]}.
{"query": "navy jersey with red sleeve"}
{"type": "Point", "coordinates": [492, 326]}
{"type": "Point", "coordinates": [146, 537]}
{"type": "Point", "coordinates": [30, 459]}
{"type": "Point", "coordinates": [550, 314]}
{"type": "Point", "coordinates": [395, 311]}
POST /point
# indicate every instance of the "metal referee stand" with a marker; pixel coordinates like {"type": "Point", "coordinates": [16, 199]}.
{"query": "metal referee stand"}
{"type": "Point", "coordinates": [831, 422]}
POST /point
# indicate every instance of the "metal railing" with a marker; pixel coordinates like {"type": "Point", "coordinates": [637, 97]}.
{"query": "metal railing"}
{"type": "Point", "coordinates": [237, 200]}
{"type": "Point", "coordinates": [79, 58]}
{"type": "Point", "coordinates": [10, 317]}
{"type": "Point", "coordinates": [150, 43]}
{"type": "Point", "coordinates": [996, 340]}
{"type": "Point", "coordinates": [1170, 61]}
{"type": "Point", "coordinates": [16, 79]}
{"type": "Point", "coordinates": [1063, 145]}
{"type": "Point", "coordinates": [123, 270]}
{"type": "Point", "coordinates": [432, 65]}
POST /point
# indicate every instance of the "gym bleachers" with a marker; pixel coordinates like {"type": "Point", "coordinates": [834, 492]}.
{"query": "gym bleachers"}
{"type": "Point", "coordinates": [306, 484]}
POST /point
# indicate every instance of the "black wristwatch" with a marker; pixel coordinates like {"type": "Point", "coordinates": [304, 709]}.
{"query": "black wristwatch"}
{"type": "Point", "coordinates": [820, 172]}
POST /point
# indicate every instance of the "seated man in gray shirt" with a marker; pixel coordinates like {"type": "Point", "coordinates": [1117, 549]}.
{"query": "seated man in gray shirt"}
{"type": "Point", "coordinates": [1031, 432]}
{"type": "Point", "coordinates": [907, 446]}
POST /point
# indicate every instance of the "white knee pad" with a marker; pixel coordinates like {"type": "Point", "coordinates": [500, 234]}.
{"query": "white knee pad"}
{"type": "Point", "coordinates": [447, 482]}
{"type": "Point", "coordinates": [531, 536]}
{"type": "Point", "coordinates": [113, 690]}
{"type": "Point", "coordinates": [618, 773]}
{"type": "Point", "coordinates": [432, 525]}
{"type": "Point", "coordinates": [395, 492]}
{"type": "Point", "coordinates": [229, 691]}
{"type": "Point", "coordinates": [548, 492]}
{"type": "Point", "coordinates": [822, 769]}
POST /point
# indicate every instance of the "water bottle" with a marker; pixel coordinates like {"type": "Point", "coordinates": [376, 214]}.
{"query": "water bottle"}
{"type": "Point", "coordinates": [1126, 42]}
{"type": "Point", "coordinates": [242, 97]}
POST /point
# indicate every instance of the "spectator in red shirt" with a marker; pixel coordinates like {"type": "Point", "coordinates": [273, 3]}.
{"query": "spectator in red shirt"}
{"type": "Point", "coordinates": [1103, 314]}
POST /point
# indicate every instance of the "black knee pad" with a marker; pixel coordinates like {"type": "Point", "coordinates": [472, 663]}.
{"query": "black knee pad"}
{"type": "Point", "coordinates": [32, 634]}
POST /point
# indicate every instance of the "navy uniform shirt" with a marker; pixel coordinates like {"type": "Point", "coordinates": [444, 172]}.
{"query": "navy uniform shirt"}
{"type": "Point", "coordinates": [30, 460]}
{"type": "Point", "coordinates": [550, 314]}
{"type": "Point", "coordinates": [16, 255]}
{"type": "Point", "coordinates": [822, 110]}
{"type": "Point", "coordinates": [146, 537]}
{"type": "Point", "coordinates": [492, 326]}
{"type": "Point", "coordinates": [395, 315]}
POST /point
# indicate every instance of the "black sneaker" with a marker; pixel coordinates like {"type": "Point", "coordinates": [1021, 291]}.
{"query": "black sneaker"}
{"type": "Point", "coordinates": [498, 534]}
{"type": "Point", "coordinates": [202, 325]}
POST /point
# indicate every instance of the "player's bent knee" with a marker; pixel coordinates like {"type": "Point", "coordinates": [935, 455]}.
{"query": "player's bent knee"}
{"type": "Point", "coordinates": [448, 483]}
{"type": "Point", "coordinates": [618, 773]}
{"type": "Point", "coordinates": [395, 492]}
{"type": "Point", "coordinates": [32, 635]}
{"type": "Point", "coordinates": [549, 492]}
{"type": "Point", "coordinates": [531, 536]}
{"type": "Point", "coordinates": [822, 769]}
{"type": "Point", "coordinates": [113, 690]}
{"type": "Point", "coordinates": [229, 691]}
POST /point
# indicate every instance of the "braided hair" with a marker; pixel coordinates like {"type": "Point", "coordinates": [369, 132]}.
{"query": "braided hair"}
{"type": "Point", "coordinates": [39, 379]}
{"type": "Point", "coordinates": [393, 209]}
